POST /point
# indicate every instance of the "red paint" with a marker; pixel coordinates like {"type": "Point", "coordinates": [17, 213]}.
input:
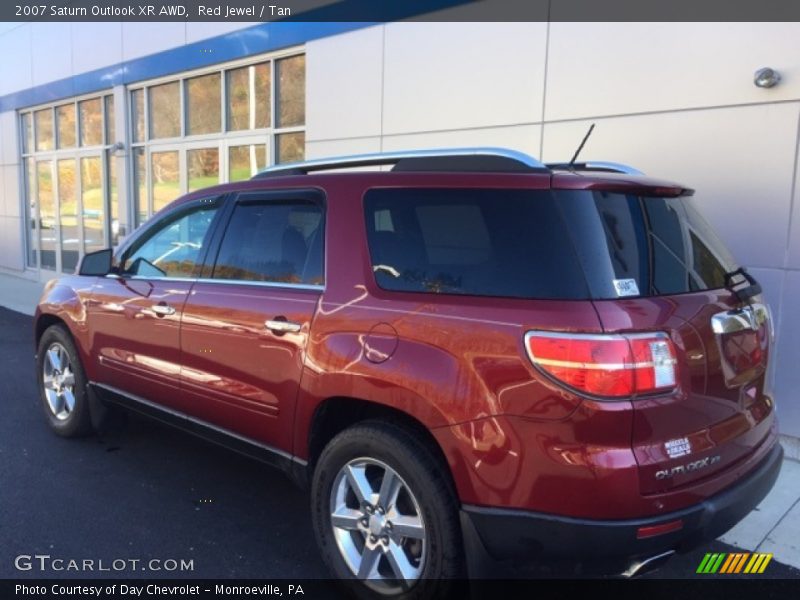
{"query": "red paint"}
{"type": "Point", "coordinates": [512, 436]}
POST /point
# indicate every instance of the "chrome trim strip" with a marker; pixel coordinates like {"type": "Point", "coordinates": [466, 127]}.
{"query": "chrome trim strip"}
{"type": "Point", "coordinates": [549, 362]}
{"type": "Point", "coordinates": [268, 284]}
{"type": "Point", "coordinates": [612, 166]}
{"type": "Point", "coordinates": [750, 317]}
{"type": "Point", "coordinates": [595, 165]}
{"type": "Point", "coordinates": [387, 158]}
{"type": "Point", "coordinates": [180, 415]}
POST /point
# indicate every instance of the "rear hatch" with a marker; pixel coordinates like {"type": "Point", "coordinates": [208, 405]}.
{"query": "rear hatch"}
{"type": "Point", "coordinates": [653, 264]}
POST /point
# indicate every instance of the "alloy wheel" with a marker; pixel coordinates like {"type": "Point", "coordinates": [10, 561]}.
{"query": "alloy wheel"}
{"type": "Point", "coordinates": [378, 525]}
{"type": "Point", "coordinates": [58, 378]}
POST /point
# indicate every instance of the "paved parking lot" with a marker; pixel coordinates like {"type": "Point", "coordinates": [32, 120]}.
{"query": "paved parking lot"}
{"type": "Point", "coordinates": [143, 491]}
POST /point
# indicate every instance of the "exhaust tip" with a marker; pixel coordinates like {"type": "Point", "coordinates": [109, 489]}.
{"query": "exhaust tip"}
{"type": "Point", "coordinates": [646, 565]}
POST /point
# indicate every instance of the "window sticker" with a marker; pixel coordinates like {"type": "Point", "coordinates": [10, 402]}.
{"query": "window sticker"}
{"type": "Point", "coordinates": [626, 287]}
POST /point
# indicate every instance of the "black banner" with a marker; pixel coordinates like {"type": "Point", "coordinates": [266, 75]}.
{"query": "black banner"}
{"type": "Point", "coordinates": [319, 589]}
{"type": "Point", "coordinates": [392, 10]}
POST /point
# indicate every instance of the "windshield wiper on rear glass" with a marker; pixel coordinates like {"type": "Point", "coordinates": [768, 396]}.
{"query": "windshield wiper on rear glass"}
{"type": "Point", "coordinates": [751, 286]}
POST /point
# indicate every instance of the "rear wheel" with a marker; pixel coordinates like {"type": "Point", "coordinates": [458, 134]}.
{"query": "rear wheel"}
{"type": "Point", "coordinates": [62, 384]}
{"type": "Point", "coordinates": [385, 518]}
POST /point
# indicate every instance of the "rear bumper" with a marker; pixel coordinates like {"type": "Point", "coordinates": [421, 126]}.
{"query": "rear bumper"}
{"type": "Point", "coordinates": [494, 535]}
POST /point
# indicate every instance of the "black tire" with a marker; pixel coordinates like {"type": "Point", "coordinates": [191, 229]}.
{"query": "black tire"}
{"type": "Point", "coordinates": [408, 454]}
{"type": "Point", "coordinates": [78, 422]}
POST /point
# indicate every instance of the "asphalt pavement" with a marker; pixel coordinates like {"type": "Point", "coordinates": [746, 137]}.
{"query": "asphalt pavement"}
{"type": "Point", "coordinates": [143, 491]}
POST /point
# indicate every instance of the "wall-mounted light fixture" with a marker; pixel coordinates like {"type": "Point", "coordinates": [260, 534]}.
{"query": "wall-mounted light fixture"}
{"type": "Point", "coordinates": [766, 78]}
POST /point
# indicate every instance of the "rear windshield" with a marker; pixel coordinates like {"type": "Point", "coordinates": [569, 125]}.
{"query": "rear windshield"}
{"type": "Point", "coordinates": [634, 246]}
{"type": "Point", "coordinates": [540, 244]}
{"type": "Point", "coordinates": [507, 243]}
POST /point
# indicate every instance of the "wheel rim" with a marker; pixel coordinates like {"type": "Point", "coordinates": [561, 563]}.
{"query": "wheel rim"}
{"type": "Point", "coordinates": [378, 525]}
{"type": "Point", "coordinates": [59, 381]}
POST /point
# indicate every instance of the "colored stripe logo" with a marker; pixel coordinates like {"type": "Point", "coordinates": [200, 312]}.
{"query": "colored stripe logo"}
{"type": "Point", "coordinates": [734, 562]}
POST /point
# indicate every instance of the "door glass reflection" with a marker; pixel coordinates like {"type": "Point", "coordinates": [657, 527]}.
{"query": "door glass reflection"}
{"type": "Point", "coordinates": [94, 214]}
{"type": "Point", "coordinates": [68, 213]}
{"type": "Point", "coordinates": [203, 168]}
{"type": "Point", "coordinates": [165, 178]}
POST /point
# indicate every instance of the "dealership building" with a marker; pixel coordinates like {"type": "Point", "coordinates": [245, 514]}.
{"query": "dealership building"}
{"type": "Point", "coordinates": [102, 124]}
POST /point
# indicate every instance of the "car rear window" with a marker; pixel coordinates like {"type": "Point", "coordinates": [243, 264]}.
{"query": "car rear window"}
{"type": "Point", "coordinates": [480, 242]}
{"type": "Point", "coordinates": [644, 246]}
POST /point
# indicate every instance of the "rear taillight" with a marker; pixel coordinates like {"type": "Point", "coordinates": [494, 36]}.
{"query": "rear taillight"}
{"type": "Point", "coordinates": [606, 365]}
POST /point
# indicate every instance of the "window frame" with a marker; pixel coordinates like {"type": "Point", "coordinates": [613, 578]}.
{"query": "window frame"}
{"type": "Point", "coordinates": [313, 195]}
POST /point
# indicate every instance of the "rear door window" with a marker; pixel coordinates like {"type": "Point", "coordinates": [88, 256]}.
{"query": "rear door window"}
{"type": "Point", "coordinates": [273, 240]}
{"type": "Point", "coordinates": [480, 242]}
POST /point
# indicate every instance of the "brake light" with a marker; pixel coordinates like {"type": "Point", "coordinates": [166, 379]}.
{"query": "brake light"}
{"type": "Point", "coordinates": [606, 365]}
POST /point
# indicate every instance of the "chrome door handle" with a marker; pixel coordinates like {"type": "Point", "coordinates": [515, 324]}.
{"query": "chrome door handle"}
{"type": "Point", "coordinates": [163, 310]}
{"type": "Point", "coordinates": [282, 326]}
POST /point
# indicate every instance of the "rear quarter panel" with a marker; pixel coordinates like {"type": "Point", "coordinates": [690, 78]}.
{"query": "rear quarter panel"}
{"type": "Point", "coordinates": [442, 359]}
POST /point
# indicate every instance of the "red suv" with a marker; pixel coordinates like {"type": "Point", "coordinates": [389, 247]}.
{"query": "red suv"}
{"type": "Point", "coordinates": [473, 358]}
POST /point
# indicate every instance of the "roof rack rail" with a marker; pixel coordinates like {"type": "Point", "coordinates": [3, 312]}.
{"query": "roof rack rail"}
{"type": "Point", "coordinates": [605, 167]}
{"type": "Point", "coordinates": [446, 159]}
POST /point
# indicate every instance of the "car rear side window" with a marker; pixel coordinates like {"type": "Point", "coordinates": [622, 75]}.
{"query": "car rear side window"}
{"type": "Point", "coordinates": [644, 246]}
{"type": "Point", "coordinates": [480, 242]}
{"type": "Point", "coordinates": [277, 241]}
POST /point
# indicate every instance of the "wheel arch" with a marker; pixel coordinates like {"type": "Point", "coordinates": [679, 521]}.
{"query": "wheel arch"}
{"type": "Point", "coordinates": [335, 414]}
{"type": "Point", "coordinates": [43, 322]}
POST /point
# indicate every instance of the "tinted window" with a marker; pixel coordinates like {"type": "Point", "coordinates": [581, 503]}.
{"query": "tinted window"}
{"type": "Point", "coordinates": [648, 246]}
{"type": "Point", "coordinates": [173, 247]}
{"type": "Point", "coordinates": [509, 243]}
{"type": "Point", "coordinates": [275, 241]}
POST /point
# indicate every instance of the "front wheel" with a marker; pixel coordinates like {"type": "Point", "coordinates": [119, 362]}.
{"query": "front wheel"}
{"type": "Point", "coordinates": [62, 384]}
{"type": "Point", "coordinates": [385, 518]}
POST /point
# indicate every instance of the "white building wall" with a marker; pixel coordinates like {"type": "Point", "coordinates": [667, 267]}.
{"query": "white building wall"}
{"type": "Point", "coordinates": [676, 100]}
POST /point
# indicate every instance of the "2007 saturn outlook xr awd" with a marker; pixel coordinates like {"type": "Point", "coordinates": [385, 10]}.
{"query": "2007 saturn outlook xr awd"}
{"type": "Point", "coordinates": [471, 358]}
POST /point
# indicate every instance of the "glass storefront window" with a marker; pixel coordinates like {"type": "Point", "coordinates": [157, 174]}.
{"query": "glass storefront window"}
{"type": "Point", "coordinates": [30, 211]}
{"type": "Point", "coordinates": [113, 197]}
{"type": "Point", "coordinates": [140, 186]}
{"type": "Point", "coordinates": [44, 129]}
{"type": "Point", "coordinates": [164, 178]}
{"type": "Point", "coordinates": [27, 133]}
{"type": "Point", "coordinates": [291, 91]}
{"type": "Point", "coordinates": [91, 115]}
{"type": "Point", "coordinates": [110, 125]}
{"type": "Point", "coordinates": [66, 208]}
{"type": "Point", "coordinates": [93, 204]}
{"type": "Point", "coordinates": [65, 117]}
{"type": "Point", "coordinates": [203, 165]}
{"type": "Point", "coordinates": [165, 110]}
{"type": "Point", "coordinates": [290, 147]}
{"type": "Point", "coordinates": [137, 115]}
{"type": "Point", "coordinates": [248, 96]}
{"type": "Point", "coordinates": [246, 161]}
{"type": "Point", "coordinates": [224, 125]}
{"type": "Point", "coordinates": [69, 228]}
{"type": "Point", "coordinates": [47, 214]}
{"type": "Point", "coordinates": [203, 100]}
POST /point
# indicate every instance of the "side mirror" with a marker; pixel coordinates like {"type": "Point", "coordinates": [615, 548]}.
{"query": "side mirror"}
{"type": "Point", "coordinates": [96, 264]}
